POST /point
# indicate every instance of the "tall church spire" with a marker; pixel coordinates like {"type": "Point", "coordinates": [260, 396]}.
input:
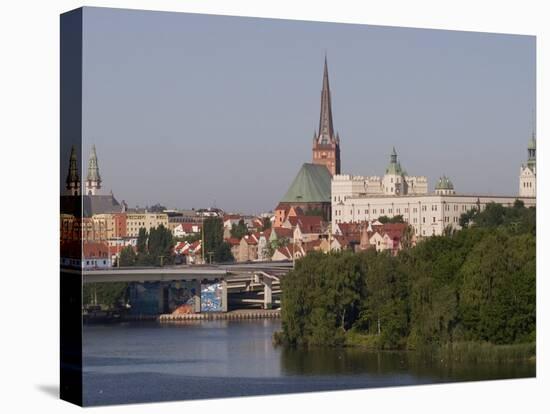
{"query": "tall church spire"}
{"type": "Point", "coordinates": [532, 152]}
{"type": "Point", "coordinates": [93, 181]}
{"type": "Point", "coordinates": [73, 180]}
{"type": "Point", "coordinates": [326, 129]}
{"type": "Point", "coordinates": [326, 144]}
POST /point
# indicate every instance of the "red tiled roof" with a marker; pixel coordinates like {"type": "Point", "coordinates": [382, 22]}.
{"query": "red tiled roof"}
{"type": "Point", "coordinates": [297, 210]}
{"type": "Point", "coordinates": [283, 206]}
{"type": "Point", "coordinates": [393, 230]}
{"type": "Point", "coordinates": [308, 224]}
{"type": "Point", "coordinates": [195, 246]}
{"type": "Point", "coordinates": [311, 245]}
{"type": "Point", "coordinates": [285, 251]}
{"type": "Point", "coordinates": [345, 241]}
{"type": "Point", "coordinates": [250, 240]}
{"type": "Point", "coordinates": [189, 227]}
{"type": "Point", "coordinates": [92, 250]}
{"type": "Point", "coordinates": [281, 232]}
{"type": "Point", "coordinates": [233, 241]}
{"type": "Point", "coordinates": [350, 228]}
{"type": "Point", "coordinates": [180, 247]}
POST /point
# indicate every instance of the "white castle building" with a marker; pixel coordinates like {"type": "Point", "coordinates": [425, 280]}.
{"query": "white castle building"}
{"type": "Point", "coordinates": [528, 172]}
{"type": "Point", "coordinates": [395, 182]}
{"type": "Point", "coordinates": [358, 198]}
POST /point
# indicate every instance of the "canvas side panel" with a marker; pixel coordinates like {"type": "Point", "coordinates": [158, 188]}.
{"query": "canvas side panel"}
{"type": "Point", "coordinates": [71, 207]}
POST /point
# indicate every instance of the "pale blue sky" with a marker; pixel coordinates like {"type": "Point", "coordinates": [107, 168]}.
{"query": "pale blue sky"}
{"type": "Point", "coordinates": [188, 110]}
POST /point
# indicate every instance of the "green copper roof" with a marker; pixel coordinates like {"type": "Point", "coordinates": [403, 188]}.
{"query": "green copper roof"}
{"type": "Point", "coordinates": [311, 185]}
{"type": "Point", "coordinates": [395, 166]}
{"type": "Point", "coordinates": [444, 183]}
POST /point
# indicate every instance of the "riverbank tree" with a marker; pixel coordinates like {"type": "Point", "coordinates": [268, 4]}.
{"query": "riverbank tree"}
{"type": "Point", "coordinates": [472, 285]}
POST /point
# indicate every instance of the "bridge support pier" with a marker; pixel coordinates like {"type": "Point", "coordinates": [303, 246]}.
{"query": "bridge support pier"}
{"type": "Point", "coordinates": [163, 305]}
{"type": "Point", "coordinates": [197, 296]}
{"type": "Point", "coordinates": [224, 295]}
{"type": "Point", "coordinates": [268, 293]}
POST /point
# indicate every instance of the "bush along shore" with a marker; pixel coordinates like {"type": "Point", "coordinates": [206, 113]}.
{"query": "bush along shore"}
{"type": "Point", "coordinates": [466, 295]}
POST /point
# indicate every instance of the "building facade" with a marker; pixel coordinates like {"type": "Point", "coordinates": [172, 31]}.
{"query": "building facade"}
{"type": "Point", "coordinates": [146, 220]}
{"type": "Point", "coordinates": [355, 199]}
{"type": "Point", "coordinates": [428, 214]}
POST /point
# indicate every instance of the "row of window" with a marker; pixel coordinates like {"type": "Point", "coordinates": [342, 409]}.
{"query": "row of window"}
{"type": "Point", "coordinates": [424, 208]}
{"type": "Point", "coordinates": [446, 219]}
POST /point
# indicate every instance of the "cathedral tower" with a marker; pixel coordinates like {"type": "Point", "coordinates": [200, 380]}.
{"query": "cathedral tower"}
{"type": "Point", "coordinates": [326, 144]}
{"type": "Point", "coordinates": [73, 180]}
{"type": "Point", "coordinates": [528, 173]}
{"type": "Point", "coordinates": [93, 181]}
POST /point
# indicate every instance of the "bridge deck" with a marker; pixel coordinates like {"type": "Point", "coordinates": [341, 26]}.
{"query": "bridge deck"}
{"type": "Point", "coordinates": [174, 273]}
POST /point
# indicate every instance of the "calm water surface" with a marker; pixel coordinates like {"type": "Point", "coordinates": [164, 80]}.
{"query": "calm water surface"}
{"type": "Point", "coordinates": [143, 362]}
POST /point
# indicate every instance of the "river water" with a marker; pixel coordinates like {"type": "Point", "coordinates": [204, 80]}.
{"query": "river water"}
{"type": "Point", "coordinates": [143, 362]}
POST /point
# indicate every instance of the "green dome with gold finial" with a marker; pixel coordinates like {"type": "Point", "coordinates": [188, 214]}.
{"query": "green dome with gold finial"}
{"type": "Point", "coordinates": [444, 183]}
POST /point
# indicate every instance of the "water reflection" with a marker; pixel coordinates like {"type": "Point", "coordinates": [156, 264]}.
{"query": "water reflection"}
{"type": "Point", "coordinates": [139, 362]}
{"type": "Point", "coordinates": [356, 361]}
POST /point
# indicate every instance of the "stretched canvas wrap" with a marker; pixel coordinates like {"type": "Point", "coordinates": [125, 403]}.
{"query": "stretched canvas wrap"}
{"type": "Point", "coordinates": [259, 206]}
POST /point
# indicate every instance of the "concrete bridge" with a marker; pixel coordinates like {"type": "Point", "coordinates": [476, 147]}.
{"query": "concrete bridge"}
{"type": "Point", "coordinates": [247, 283]}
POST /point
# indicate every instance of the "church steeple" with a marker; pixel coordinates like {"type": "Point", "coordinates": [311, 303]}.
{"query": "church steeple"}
{"type": "Point", "coordinates": [73, 180]}
{"type": "Point", "coordinates": [532, 152]}
{"type": "Point", "coordinates": [93, 181]}
{"type": "Point", "coordinates": [326, 144]}
{"type": "Point", "coordinates": [326, 129]}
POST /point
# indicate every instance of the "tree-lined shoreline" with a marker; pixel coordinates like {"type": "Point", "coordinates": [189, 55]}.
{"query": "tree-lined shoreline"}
{"type": "Point", "coordinates": [467, 290]}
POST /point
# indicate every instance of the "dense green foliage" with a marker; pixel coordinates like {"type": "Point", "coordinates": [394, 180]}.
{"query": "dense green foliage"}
{"type": "Point", "coordinates": [108, 295]}
{"type": "Point", "coordinates": [154, 248]}
{"type": "Point", "coordinates": [239, 230]}
{"type": "Point", "coordinates": [266, 223]}
{"type": "Point", "coordinates": [215, 249]}
{"type": "Point", "coordinates": [394, 219]}
{"type": "Point", "coordinates": [142, 241]}
{"type": "Point", "coordinates": [127, 257]}
{"type": "Point", "coordinates": [472, 285]}
{"type": "Point", "coordinates": [190, 238]}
